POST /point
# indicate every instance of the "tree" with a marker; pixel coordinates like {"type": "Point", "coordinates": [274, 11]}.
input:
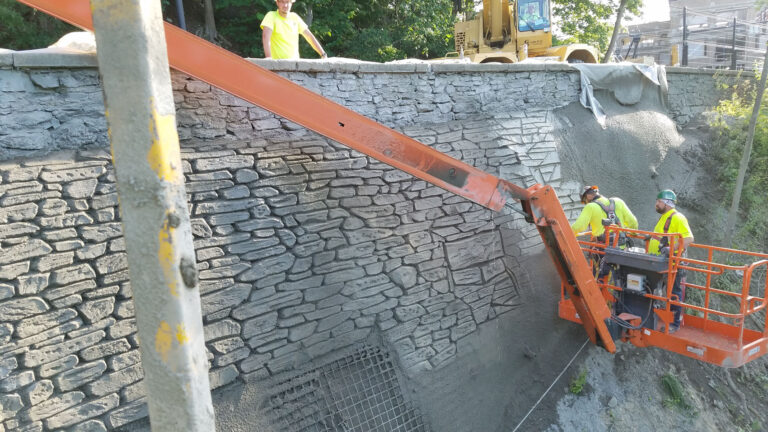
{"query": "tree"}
{"type": "Point", "coordinates": [634, 7]}
{"type": "Point", "coordinates": [210, 22]}
{"type": "Point", "coordinates": [586, 21]}
{"type": "Point", "coordinates": [378, 30]}
{"type": "Point", "coordinates": [730, 129]}
{"type": "Point", "coordinates": [25, 28]}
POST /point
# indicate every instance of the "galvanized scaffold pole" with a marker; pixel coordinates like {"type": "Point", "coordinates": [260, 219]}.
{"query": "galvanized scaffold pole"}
{"type": "Point", "coordinates": [158, 238]}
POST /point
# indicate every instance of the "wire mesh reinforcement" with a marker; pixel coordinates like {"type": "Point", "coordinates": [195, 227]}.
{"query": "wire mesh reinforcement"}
{"type": "Point", "coordinates": [356, 393]}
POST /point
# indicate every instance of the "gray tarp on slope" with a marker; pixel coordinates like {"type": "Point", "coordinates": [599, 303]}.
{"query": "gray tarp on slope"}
{"type": "Point", "coordinates": [624, 80]}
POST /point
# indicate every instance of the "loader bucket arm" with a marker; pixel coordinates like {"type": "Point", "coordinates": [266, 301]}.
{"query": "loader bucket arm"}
{"type": "Point", "coordinates": [233, 74]}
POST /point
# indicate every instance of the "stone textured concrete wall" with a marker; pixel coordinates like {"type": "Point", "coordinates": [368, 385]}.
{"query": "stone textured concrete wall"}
{"type": "Point", "coordinates": [694, 91]}
{"type": "Point", "coordinates": [45, 108]}
{"type": "Point", "coordinates": [304, 247]}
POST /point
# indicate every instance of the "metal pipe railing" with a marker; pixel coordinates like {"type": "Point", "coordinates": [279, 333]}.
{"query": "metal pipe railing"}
{"type": "Point", "coordinates": [748, 304]}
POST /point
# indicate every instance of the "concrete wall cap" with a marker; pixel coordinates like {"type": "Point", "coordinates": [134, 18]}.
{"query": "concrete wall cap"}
{"type": "Point", "coordinates": [692, 71]}
{"type": "Point", "coordinates": [6, 57]}
{"type": "Point", "coordinates": [54, 58]}
{"type": "Point", "coordinates": [313, 66]}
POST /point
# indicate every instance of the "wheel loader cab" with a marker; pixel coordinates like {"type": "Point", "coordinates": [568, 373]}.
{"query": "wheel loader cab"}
{"type": "Point", "coordinates": [533, 32]}
{"type": "Point", "coordinates": [508, 31]}
{"type": "Point", "coordinates": [533, 15]}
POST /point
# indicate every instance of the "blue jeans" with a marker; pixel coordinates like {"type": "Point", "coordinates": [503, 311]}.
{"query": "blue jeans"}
{"type": "Point", "coordinates": [678, 289]}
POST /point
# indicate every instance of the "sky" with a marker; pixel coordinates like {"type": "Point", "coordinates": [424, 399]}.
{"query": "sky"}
{"type": "Point", "coordinates": [653, 10]}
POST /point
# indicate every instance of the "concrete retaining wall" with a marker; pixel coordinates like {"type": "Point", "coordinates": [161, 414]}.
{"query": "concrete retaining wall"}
{"type": "Point", "coordinates": [304, 247]}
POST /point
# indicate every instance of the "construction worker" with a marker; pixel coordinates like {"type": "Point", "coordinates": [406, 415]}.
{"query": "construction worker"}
{"type": "Point", "coordinates": [671, 221]}
{"type": "Point", "coordinates": [530, 17]}
{"type": "Point", "coordinates": [598, 208]}
{"type": "Point", "coordinates": [598, 212]}
{"type": "Point", "coordinates": [281, 29]}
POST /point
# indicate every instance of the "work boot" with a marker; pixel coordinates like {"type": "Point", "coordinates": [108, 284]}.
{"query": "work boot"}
{"type": "Point", "coordinates": [675, 326]}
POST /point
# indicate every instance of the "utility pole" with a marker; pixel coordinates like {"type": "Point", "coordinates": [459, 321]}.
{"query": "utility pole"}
{"type": "Point", "coordinates": [745, 156]}
{"type": "Point", "coordinates": [180, 13]}
{"type": "Point", "coordinates": [685, 37]}
{"type": "Point", "coordinates": [133, 64]}
{"type": "Point", "coordinates": [733, 46]}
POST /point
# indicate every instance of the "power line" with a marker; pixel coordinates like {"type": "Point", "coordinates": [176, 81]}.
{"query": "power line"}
{"type": "Point", "coordinates": [720, 17]}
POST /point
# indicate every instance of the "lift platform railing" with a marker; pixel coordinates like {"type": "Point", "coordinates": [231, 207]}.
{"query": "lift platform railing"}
{"type": "Point", "coordinates": [724, 319]}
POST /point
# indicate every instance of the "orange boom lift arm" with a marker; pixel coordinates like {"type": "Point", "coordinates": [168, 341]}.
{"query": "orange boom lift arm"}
{"type": "Point", "coordinates": [584, 299]}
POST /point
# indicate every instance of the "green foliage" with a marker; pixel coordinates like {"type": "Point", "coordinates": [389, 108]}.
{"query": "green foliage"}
{"type": "Point", "coordinates": [577, 383]}
{"type": "Point", "coordinates": [730, 127]}
{"type": "Point", "coordinates": [589, 21]}
{"type": "Point", "coordinates": [674, 390]}
{"type": "Point", "coordinates": [374, 30]}
{"type": "Point", "coordinates": [23, 28]}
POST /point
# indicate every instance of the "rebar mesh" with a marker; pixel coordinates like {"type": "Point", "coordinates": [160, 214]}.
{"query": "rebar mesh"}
{"type": "Point", "coordinates": [356, 393]}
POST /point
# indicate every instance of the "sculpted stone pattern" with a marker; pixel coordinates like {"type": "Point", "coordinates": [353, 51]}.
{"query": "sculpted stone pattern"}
{"type": "Point", "coordinates": [303, 246]}
{"type": "Point", "coordinates": [692, 92]}
{"type": "Point", "coordinates": [43, 109]}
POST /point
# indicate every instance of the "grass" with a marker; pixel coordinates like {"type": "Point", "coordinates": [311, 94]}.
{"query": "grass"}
{"type": "Point", "coordinates": [675, 393]}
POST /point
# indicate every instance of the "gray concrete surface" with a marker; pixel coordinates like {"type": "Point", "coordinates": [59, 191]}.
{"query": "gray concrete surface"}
{"type": "Point", "coordinates": [306, 249]}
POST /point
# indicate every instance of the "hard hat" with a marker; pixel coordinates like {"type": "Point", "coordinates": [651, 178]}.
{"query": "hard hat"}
{"type": "Point", "coordinates": [667, 194]}
{"type": "Point", "coordinates": [586, 190]}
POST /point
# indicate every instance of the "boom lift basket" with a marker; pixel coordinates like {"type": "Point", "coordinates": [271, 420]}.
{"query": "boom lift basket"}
{"type": "Point", "coordinates": [724, 319]}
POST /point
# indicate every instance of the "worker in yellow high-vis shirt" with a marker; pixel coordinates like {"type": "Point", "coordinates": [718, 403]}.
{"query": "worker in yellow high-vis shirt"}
{"type": "Point", "coordinates": [598, 208]}
{"type": "Point", "coordinates": [614, 211]}
{"type": "Point", "coordinates": [672, 221]}
{"type": "Point", "coordinates": [281, 29]}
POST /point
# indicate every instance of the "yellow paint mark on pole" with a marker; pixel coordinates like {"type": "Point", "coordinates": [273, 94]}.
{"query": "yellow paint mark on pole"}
{"type": "Point", "coordinates": [165, 253]}
{"type": "Point", "coordinates": [165, 147]}
{"type": "Point", "coordinates": [164, 340]}
{"type": "Point", "coordinates": [181, 334]}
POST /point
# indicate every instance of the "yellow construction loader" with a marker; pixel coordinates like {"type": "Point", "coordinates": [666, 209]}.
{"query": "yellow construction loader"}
{"type": "Point", "coordinates": [508, 31]}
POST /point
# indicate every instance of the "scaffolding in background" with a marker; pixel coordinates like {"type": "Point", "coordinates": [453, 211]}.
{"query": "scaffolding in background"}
{"type": "Point", "coordinates": [699, 39]}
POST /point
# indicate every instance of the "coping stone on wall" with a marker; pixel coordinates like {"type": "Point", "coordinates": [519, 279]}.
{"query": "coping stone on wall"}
{"type": "Point", "coordinates": [388, 67]}
{"type": "Point", "coordinates": [468, 67]}
{"type": "Point", "coordinates": [6, 57]}
{"type": "Point", "coordinates": [313, 66]}
{"type": "Point", "coordinates": [54, 58]}
{"type": "Point", "coordinates": [274, 64]}
{"type": "Point", "coordinates": [557, 67]}
{"type": "Point", "coordinates": [347, 67]}
{"type": "Point", "coordinates": [691, 71]}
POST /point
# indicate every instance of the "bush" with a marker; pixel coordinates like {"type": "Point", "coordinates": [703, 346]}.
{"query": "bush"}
{"type": "Point", "coordinates": [729, 123]}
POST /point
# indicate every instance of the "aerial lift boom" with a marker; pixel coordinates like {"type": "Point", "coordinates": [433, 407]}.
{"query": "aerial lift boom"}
{"type": "Point", "coordinates": [585, 299]}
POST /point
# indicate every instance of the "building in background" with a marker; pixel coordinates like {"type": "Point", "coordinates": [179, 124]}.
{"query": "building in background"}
{"type": "Point", "coordinates": [722, 34]}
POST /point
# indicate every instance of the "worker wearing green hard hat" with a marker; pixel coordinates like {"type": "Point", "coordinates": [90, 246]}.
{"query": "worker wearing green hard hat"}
{"type": "Point", "coordinates": [672, 221]}
{"type": "Point", "coordinates": [669, 195]}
